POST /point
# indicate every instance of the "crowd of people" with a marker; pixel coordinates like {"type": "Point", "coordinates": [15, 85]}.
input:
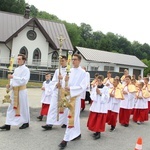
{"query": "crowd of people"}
{"type": "Point", "coordinates": [64, 96]}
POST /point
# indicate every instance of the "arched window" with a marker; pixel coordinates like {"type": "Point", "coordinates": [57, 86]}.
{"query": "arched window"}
{"type": "Point", "coordinates": [55, 59]}
{"type": "Point", "coordinates": [24, 51]}
{"type": "Point", "coordinates": [37, 56]}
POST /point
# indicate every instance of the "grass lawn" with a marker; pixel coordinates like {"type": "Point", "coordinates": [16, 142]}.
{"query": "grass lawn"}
{"type": "Point", "coordinates": [3, 83]}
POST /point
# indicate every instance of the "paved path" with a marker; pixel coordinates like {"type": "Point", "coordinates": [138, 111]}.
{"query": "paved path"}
{"type": "Point", "coordinates": [34, 138]}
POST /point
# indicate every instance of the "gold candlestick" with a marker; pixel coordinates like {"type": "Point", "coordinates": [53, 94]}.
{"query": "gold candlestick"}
{"type": "Point", "coordinates": [10, 71]}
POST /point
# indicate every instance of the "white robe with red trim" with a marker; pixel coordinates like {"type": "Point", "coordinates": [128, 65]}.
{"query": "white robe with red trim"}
{"type": "Point", "coordinates": [52, 113]}
{"type": "Point", "coordinates": [21, 77]}
{"type": "Point", "coordinates": [77, 84]}
{"type": "Point", "coordinates": [47, 93]}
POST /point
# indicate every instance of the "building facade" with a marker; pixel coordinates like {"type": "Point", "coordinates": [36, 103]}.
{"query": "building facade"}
{"type": "Point", "coordinates": [36, 38]}
{"type": "Point", "coordinates": [98, 60]}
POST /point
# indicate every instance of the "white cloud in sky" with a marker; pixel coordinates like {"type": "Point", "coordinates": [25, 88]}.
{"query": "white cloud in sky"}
{"type": "Point", "coordinates": [129, 18]}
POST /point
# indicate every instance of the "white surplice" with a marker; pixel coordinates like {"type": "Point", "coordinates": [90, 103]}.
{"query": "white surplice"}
{"type": "Point", "coordinates": [110, 84]}
{"type": "Point", "coordinates": [47, 93]}
{"type": "Point", "coordinates": [77, 84]}
{"type": "Point", "coordinates": [114, 104]}
{"type": "Point", "coordinates": [88, 85]}
{"type": "Point", "coordinates": [52, 112]}
{"type": "Point", "coordinates": [100, 102]}
{"type": "Point", "coordinates": [128, 102]}
{"type": "Point", "coordinates": [141, 103]}
{"type": "Point", "coordinates": [21, 77]}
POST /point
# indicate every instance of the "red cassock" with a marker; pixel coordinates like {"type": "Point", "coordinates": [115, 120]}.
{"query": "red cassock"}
{"type": "Point", "coordinates": [96, 122]}
{"type": "Point", "coordinates": [44, 109]}
{"type": "Point", "coordinates": [149, 106]}
{"type": "Point", "coordinates": [140, 115]}
{"type": "Point", "coordinates": [98, 110]}
{"type": "Point", "coordinates": [112, 118]}
{"type": "Point", "coordinates": [114, 105]}
{"type": "Point", "coordinates": [127, 104]}
{"type": "Point", "coordinates": [82, 103]}
{"type": "Point", "coordinates": [141, 106]}
{"type": "Point", "coordinates": [124, 116]}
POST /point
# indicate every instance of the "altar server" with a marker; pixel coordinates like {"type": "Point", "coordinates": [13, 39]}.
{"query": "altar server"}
{"type": "Point", "coordinates": [53, 111]}
{"type": "Point", "coordinates": [116, 95]}
{"type": "Point", "coordinates": [141, 104]}
{"type": "Point", "coordinates": [98, 110]}
{"type": "Point", "coordinates": [47, 91]}
{"type": "Point", "coordinates": [18, 110]}
{"type": "Point", "coordinates": [127, 104]}
{"type": "Point", "coordinates": [76, 86]}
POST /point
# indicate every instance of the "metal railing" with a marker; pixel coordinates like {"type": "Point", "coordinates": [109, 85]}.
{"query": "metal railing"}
{"type": "Point", "coordinates": [34, 63]}
{"type": "Point", "coordinates": [35, 76]}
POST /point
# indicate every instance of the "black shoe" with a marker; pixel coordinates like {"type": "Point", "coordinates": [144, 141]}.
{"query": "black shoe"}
{"type": "Point", "coordinates": [24, 126]}
{"type": "Point", "coordinates": [63, 144]}
{"type": "Point", "coordinates": [5, 127]}
{"type": "Point", "coordinates": [112, 128]}
{"type": "Point", "coordinates": [63, 126]}
{"type": "Point", "coordinates": [138, 122]}
{"type": "Point", "coordinates": [126, 125]}
{"type": "Point", "coordinates": [40, 118]}
{"type": "Point", "coordinates": [98, 136]}
{"type": "Point", "coordinates": [77, 138]}
{"type": "Point", "coordinates": [47, 127]}
{"type": "Point", "coordinates": [94, 134]}
{"type": "Point", "coordinates": [82, 109]}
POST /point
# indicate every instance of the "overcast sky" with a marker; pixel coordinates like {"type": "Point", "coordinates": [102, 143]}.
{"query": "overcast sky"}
{"type": "Point", "coordinates": [129, 18]}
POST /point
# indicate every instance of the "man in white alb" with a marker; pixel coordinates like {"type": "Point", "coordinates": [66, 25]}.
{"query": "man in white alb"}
{"type": "Point", "coordinates": [18, 111]}
{"type": "Point", "coordinates": [77, 84]}
{"type": "Point", "coordinates": [52, 113]}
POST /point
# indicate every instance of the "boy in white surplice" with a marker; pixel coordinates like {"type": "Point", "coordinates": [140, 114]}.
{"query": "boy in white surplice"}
{"type": "Point", "coordinates": [47, 90]}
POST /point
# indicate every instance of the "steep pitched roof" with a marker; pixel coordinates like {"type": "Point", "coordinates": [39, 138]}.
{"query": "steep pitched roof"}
{"type": "Point", "coordinates": [11, 24]}
{"type": "Point", "coordinates": [110, 57]}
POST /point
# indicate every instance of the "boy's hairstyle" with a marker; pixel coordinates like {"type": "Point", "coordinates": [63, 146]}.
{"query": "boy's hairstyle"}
{"type": "Point", "coordinates": [117, 80]}
{"type": "Point", "coordinates": [141, 83]}
{"type": "Point", "coordinates": [146, 78]}
{"type": "Point", "coordinates": [96, 75]}
{"type": "Point", "coordinates": [133, 80]}
{"type": "Point", "coordinates": [77, 55]}
{"type": "Point", "coordinates": [108, 72]}
{"type": "Point", "coordinates": [23, 56]}
{"type": "Point", "coordinates": [47, 73]}
{"type": "Point", "coordinates": [64, 57]}
{"type": "Point", "coordinates": [128, 76]}
{"type": "Point", "coordinates": [101, 77]}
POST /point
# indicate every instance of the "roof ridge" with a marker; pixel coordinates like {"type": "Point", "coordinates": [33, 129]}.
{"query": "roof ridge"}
{"type": "Point", "coordinates": [30, 17]}
{"type": "Point", "coordinates": [49, 20]}
{"type": "Point", "coordinates": [110, 57]}
{"type": "Point", "coordinates": [11, 13]}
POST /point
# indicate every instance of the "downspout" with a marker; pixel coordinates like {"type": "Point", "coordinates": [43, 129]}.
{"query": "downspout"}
{"type": "Point", "coordinates": [9, 49]}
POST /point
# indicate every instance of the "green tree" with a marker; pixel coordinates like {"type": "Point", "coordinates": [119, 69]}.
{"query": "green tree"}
{"type": "Point", "coordinates": [14, 6]}
{"type": "Point", "coordinates": [113, 40]}
{"type": "Point", "coordinates": [33, 11]}
{"type": "Point", "coordinates": [86, 34]}
{"type": "Point", "coordinates": [145, 48]}
{"type": "Point", "coordinates": [96, 40]}
{"type": "Point", "coordinates": [124, 45]}
{"type": "Point", "coordinates": [136, 48]}
{"type": "Point", "coordinates": [105, 44]}
{"type": "Point", "coordinates": [146, 70]}
{"type": "Point", "coordinates": [74, 32]}
{"type": "Point", "coordinates": [45, 15]}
